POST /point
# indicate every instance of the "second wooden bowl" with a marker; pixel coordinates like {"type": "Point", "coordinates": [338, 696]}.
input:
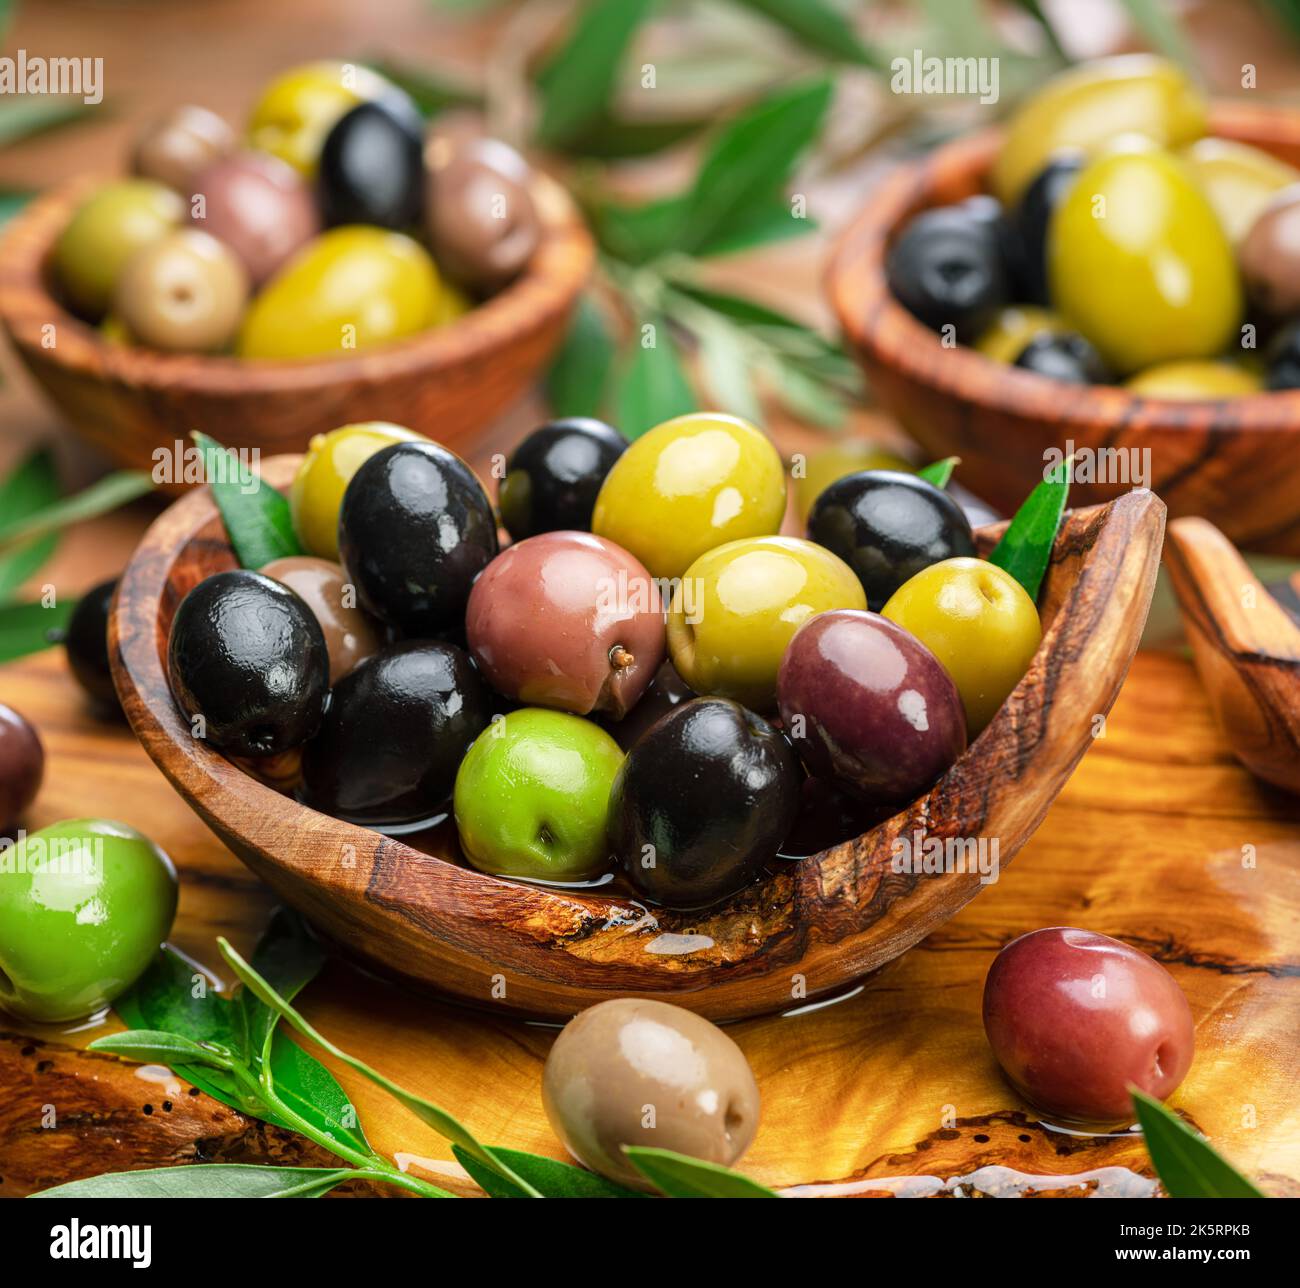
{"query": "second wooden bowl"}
{"type": "Point", "coordinates": [807, 929]}
{"type": "Point", "coordinates": [448, 382]}
{"type": "Point", "coordinates": [1237, 463]}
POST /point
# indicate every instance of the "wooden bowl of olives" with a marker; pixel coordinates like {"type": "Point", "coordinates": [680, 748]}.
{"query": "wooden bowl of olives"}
{"type": "Point", "coordinates": [335, 264]}
{"type": "Point", "coordinates": [833, 899]}
{"type": "Point", "coordinates": [1000, 315]}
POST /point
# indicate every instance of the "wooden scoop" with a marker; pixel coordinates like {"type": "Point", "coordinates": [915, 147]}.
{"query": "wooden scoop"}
{"type": "Point", "coordinates": [1246, 646]}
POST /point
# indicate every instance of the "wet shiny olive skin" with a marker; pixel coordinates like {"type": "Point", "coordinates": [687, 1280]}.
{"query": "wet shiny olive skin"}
{"type": "Point", "coordinates": [186, 293]}
{"type": "Point", "coordinates": [351, 288]}
{"type": "Point", "coordinates": [1063, 355]}
{"type": "Point", "coordinates": [83, 912]}
{"type": "Point", "coordinates": [1028, 224]}
{"type": "Point", "coordinates": [1154, 280]}
{"type": "Point", "coordinates": [868, 705]}
{"type": "Point", "coordinates": [887, 526]}
{"type": "Point", "coordinates": [1269, 256]}
{"type": "Point", "coordinates": [665, 692]}
{"type": "Point", "coordinates": [104, 232]}
{"type": "Point", "coordinates": [947, 268]}
{"type": "Point", "coordinates": [702, 802]}
{"type": "Point", "coordinates": [1282, 358]}
{"type": "Point", "coordinates": [260, 207]}
{"type": "Point", "coordinates": [371, 168]}
{"type": "Point", "coordinates": [350, 635]}
{"type": "Point", "coordinates": [246, 653]}
{"type": "Point", "coordinates": [815, 473]}
{"type": "Point", "coordinates": [395, 733]}
{"type": "Point", "coordinates": [1074, 1017]}
{"type": "Point", "coordinates": [1012, 328]}
{"type": "Point", "coordinates": [1239, 180]}
{"type": "Point", "coordinates": [176, 148]}
{"type": "Point", "coordinates": [1085, 108]}
{"type": "Point", "coordinates": [22, 767]}
{"type": "Point", "coordinates": [615, 1058]}
{"type": "Point", "coordinates": [316, 493]}
{"type": "Point", "coordinates": [554, 476]}
{"type": "Point", "coordinates": [86, 644]}
{"type": "Point", "coordinates": [1196, 380]}
{"type": "Point", "coordinates": [415, 529]}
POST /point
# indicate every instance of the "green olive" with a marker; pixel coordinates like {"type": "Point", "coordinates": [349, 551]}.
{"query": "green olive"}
{"type": "Point", "coordinates": [107, 229]}
{"type": "Point", "coordinates": [1013, 327]}
{"type": "Point", "coordinates": [1139, 263]}
{"type": "Point", "coordinates": [1239, 180]}
{"type": "Point", "coordinates": [84, 906]}
{"type": "Point", "coordinates": [352, 288]}
{"type": "Point", "coordinates": [1089, 105]}
{"type": "Point", "coordinates": [1196, 380]}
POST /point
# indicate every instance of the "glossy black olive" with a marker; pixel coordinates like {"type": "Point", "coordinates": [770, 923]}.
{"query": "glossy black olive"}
{"type": "Point", "coordinates": [1028, 225]}
{"type": "Point", "coordinates": [702, 802]}
{"type": "Point", "coordinates": [86, 643]}
{"type": "Point", "coordinates": [1064, 356]}
{"type": "Point", "coordinates": [246, 654]}
{"type": "Point", "coordinates": [371, 165]}
{"type": "Point", "coordinates": [554, 475]}
{"type": "Point", "coordinates": [395, 733]}
{"type": "Point", "coordinates": [947, 267]}
{"type": "Point", "coordinates": [415, 529]}
{"type": "Point", "coordinates": [887, 526]}
{"type": "Point", "coordinates": [1282, 358]}
{"type": "Point", "coordinates": [667, 691]}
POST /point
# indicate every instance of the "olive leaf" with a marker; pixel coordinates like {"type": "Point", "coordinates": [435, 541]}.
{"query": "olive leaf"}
{"type": "Point", "coordinates": [821, 28]}
{"type": "Point", "coordinates": [29, 626]}
{"type": "Point", "coordinates": [436, 1117]}
{"type": "Point", "coordinates": [100, 497]}
{"type": "Point", "coordinates": [1188, 1167]}
{"type": "Point", "coordinates": [149, 1046]}
{"type": "Point", "coordinates": [1026, 547]}
{"type": "Point", "coordinates": [256, 515]}
{"type": "Point", "coordinates": [652, 386]}
{"type": "Point", "coordinates": [20, 118]}
{"type": "Point", "coordinates": [29, 488]}
{"type": "Point", "coordinates": [939, 472]}
{"type": "Point", "coordinates": [550, 1177]}
{"type": "Point", "coordinates": [579, 377]}
{"type": "Point", "coordinates": [211, 1181]}
{"type": "Point", "coordinates": [681, 1177]}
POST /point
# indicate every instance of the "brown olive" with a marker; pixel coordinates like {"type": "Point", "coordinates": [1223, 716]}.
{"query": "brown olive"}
{"type": "Point", "coordinates": [1269, 256]}
{"type": "Point", "coordinates": [185, 293]}
{"type": "Point", "coordinates": [175, 148]}
{"type": "Point", "coordinates": [634, 1072]}
{"type": "Point", "coordinates": [22, 766]}
{"type": "Point", "coordinates": [350, 635]}
{"type": "Point", "coordinates": [482, 224]}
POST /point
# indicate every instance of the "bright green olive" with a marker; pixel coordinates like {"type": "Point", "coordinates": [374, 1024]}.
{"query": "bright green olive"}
{"type": "Point", "coordinates": [1139, 264]}
{"type": "Point", "coordinates": [1196, 380]}
{"type": "Point", "coordinates": [352, 288]}
{"type": "Point", "coordinates": [1088, 106]}
{"type": "Point", "coordinates": [1239, 180]}
{"type": "Point", "coordinates": [84, 906]}
{"type": "Point", "coordinates": [107, 229]}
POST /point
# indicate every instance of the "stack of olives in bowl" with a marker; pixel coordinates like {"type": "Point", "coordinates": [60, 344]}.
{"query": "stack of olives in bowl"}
{"type": "Point", "coordinates": [647, 682]}
{"type": "Point", "coordinates": [1119, 244]}
{"type": "Point", "coordinates": [332, 225]}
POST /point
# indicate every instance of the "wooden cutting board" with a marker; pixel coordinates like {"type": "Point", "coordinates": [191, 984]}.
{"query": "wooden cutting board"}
{"type": "Point", "coordinates": [1160, 839]}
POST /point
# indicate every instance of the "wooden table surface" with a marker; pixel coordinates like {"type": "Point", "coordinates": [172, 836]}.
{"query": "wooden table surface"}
{"type": "Point", "coordinates": [1160, 838]}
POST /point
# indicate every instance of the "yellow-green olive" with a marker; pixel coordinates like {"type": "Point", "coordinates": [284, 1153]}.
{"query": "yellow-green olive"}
{"type": "Point", "coordinates": [1196, 380]}
{"type": "Point", "coordinates": [1239, 180]}
{"type": "Point", "coordinates": [1013, 327]}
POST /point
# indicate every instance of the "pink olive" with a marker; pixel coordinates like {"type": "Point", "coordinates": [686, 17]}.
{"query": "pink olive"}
{"type": "Point", "coordinates": [22, 766]}
{"type": "Point", "coordinates": [567, 620]}
{"type": "Point", "coordinates": [1075, 1017]}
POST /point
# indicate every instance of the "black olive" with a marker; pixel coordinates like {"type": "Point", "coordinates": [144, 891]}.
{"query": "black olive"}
{"type": "Point", "coordinates": [554, 475]}
{"type": "Point", "coordinates": [86, 643]}
{"type": "Point", "coordinates": [395, 733]}
{"type": "Point", "coordinates": [947, 267]}
{"type": "Point", "coordinates": [1066, 356]}
{"type": "Point", "coordinates": [415, 529]}
{"type": "Point", "coordinates": [702, 802]}
{"type": "Point", "coordinates": [246, 654]}
{"type": "Point", "coordinates": [371, 165]}
{"type": "Point", "coordinates": [887, 526]}
{"type": "Point", "coordinates": [1282, 358]}
{"type": "Point", "coordinates": [1028, 225]}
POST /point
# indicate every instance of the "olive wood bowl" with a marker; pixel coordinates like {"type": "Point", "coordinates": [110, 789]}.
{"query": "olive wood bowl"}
{"type": "Point", "coordinates": [447, 382]}
{"type": "Point", "coordinates": [1236, 462]}
{"type": "Point", "coordinates": [806, 929]}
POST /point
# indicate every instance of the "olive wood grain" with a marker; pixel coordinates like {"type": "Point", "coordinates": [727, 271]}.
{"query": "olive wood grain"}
{"type": "Point", "coordinates": [448, 382]}
{"type": "Point", "coordinates": [1236, 462]}
{"type": "Point", "coordinates": [804, 931]}
{"type": "Point", "coordinates": [1246, 646]}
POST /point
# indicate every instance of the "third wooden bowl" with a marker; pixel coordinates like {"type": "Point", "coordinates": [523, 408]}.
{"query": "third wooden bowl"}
{"type": "Point", "coordinates": [805, 930]}
{"type": "Point", "coordinates": [1235, 462]}
{"type": "Point", "coordinates": [447, 382]}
